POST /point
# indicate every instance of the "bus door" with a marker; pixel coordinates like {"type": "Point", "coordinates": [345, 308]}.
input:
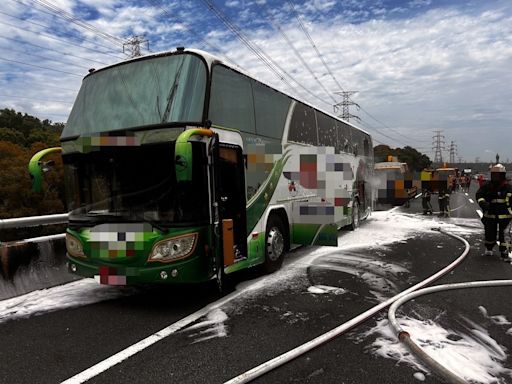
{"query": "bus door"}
{"type": "Point", "coordinates": [229, 192]}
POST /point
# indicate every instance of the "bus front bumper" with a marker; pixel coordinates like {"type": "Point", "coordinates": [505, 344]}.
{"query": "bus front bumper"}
{"type": "Point", "coordinates": [194, 270]}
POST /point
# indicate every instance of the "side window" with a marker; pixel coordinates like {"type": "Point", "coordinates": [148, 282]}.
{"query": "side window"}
{"type": "Point", "coordinates": [231, 100]}
{"type": "Point", "coordinates": [344, 137]}
{"type": "Point", "coordinates": [271, 109]}
{"type": "Point", "coordinates": [366, 147]}
{"type": "Point", "coordinates": [357, 141]}
{"type": "Point", "coordinates": [303, 125]}
{"type": "Point", "coordinates": [326, 130]}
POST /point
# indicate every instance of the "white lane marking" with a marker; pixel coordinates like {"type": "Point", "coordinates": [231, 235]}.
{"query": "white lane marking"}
{"type": "Point", "coordinates": [109, 362]}
{"type": "Point", "coordinates": [471, 201]}
{"type": "Point", "coordinates": [466, 194]}
{"type": "Point", "coordinates": [480, 213]}
{"type": "Point", "coordinates": [418, 195]}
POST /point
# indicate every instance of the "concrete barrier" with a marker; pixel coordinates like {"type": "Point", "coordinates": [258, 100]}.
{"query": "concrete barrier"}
{"type": "Point", "coordinates": [32, 264]}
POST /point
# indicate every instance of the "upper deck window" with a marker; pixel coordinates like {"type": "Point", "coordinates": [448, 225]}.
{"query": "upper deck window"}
{"type": "Point", "coordinates": [231, 100]}
{"type": "Point", "coordinates": [303, 125]}
{"type": "Point", "coordinates": [158, 90]}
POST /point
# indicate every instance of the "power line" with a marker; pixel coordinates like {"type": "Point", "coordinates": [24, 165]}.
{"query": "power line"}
{"type": "Point", "coordinates": [46, 58]}
{"type": "Point", "coordinates": [378, 131]}
{"type": "Point", "coordinates": [346, 102]}
{"type": "Point", "coordinates": [53, 50]}
{"type": "Point", "coordinates": [264, 57]}
{"type": "Point", "coordinates": [308, 36]}
{"type": "Point", "coordinates": [192, 31]}
{"type": "Point", "coordinates": [386, 126]}
{"type": "Point", "coordinates": [59, 12]}
{"type": "Point", "coordinates": [53, 37]}
{"type": "Point", "coordinates": [298, 55]}
{"type": "Point", "coordinates": [274, 67]}
{"type": "Point", "coordinates": [39, 66]}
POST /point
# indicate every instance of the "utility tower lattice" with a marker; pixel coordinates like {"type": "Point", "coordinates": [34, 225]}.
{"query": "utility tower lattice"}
{"type": "Point", "coordinates": [438, 146]}
{"type": "Point", "coordinates": [453, 152]}
{"type": "Point", "coordinates": [133, 45]}
{"type": "Point", "coordinates": [345, 103]}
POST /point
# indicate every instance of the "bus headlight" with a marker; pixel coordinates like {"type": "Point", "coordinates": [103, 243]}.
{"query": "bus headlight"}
{"type": "Point", "coordinates": [74, 246]}
{"type": "Point", "coordinates": [174, 248]}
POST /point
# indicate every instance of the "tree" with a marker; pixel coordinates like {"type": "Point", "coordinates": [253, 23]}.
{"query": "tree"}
{"type": "Point", "coordinates": [43, 135]}
{"type": "Point", "coordinates": [13, 136]}
{"type": "Point", "coordinates": [27, 125]}
{"type": "Point", "coordinates": [381, 153]}
{"type": "Point", "coordinates": [415, 160]}
{"type": "Point", "coordinates": [21, 136]}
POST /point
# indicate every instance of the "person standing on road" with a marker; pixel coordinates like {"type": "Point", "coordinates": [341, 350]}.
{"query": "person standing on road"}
{"type": "Point", "coordinates": [425, 202]}
{"type": "Point", "coordinates": [444, 203]}
{"type": "Point", "coordinates": [495, 199]}
{"type": "Point", "coordinates": [481, 180]}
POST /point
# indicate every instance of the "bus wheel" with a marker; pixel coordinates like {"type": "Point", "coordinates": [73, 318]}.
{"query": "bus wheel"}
{"type": "Point", "coordinates": [275, 244]}
{"type": "Point", "coordinates": [355, 216]}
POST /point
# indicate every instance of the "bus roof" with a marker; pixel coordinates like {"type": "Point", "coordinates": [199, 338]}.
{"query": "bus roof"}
{"type": "Point", "coordinates": [210, 60]}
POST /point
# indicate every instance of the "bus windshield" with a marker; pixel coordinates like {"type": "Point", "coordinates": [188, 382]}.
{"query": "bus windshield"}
{"type": "Point", "coordinates": [136, 184]}
{"type": "Point", "coordinates": [159, 90]}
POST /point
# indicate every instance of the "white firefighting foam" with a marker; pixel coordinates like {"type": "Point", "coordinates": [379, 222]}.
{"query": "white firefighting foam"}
{"type": "Point", "coordinates": [472, 354]}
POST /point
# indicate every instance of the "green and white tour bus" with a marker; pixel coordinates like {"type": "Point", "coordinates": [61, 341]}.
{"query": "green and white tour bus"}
{"type": "Point", "coordinates": [181, 168]}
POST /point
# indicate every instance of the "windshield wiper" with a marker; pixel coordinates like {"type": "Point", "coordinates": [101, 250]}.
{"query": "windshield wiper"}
{"type": "Point", "coordinates": [172, 92]}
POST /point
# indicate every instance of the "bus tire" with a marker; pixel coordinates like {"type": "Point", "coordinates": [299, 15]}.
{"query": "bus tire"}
{"type": "Point", "coordinates": [356, 216]}
{"type": "Point", "coordinates": [276, 244]}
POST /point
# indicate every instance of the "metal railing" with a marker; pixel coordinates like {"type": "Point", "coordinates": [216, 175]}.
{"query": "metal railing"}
{"type": "Point", "coordinates": [33, 221]}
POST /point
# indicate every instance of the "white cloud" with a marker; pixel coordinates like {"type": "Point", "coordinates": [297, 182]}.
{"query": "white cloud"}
{"type": "Point", "coordinates": [444, 68]}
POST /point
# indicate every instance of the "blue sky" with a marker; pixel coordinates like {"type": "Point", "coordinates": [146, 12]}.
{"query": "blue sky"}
{"type": "Point", "coordinates": [418, 65]}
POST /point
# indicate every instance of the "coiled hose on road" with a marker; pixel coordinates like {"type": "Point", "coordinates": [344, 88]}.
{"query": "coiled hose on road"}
{"type": "Point", "coordinates": [343, 328]}
{"type": "Point", "coordinates": [405, 337]}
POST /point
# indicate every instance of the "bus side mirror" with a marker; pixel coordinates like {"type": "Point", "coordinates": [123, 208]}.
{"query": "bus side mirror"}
{"type": "Point", "coordinates": [183, 152]}
{"type": "Point", "coordinates": [183, 161]}
{"type": "Point", "coordinates": [36, 167]}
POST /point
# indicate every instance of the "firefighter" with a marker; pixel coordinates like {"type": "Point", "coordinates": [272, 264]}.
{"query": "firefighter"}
{"type": "Point", "coordinates": [444, 203]}
{"type": "Point", "coordinates": [425, 202]}
{"type": "Point", "coordinates": [495, 199]}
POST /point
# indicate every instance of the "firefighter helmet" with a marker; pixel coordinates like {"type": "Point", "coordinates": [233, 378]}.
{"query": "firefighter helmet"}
{"type": "Point", "coordinates": [498, 168]}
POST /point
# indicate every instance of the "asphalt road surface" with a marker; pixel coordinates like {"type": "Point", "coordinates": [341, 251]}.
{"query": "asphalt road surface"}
{"type": "Point", "coordinates": [317, 289]}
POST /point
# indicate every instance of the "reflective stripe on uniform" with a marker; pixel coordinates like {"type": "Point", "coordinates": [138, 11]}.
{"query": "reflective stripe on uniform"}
{"type": "Point", "coordinates": [501, 201]}
{"type": "Point", "coordinates": [499, 217]}
{"type": "Point", "coordinates": [480, 199]}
